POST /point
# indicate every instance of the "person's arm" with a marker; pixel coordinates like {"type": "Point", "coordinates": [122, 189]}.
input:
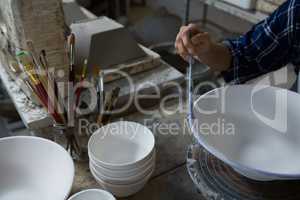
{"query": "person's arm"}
{"type": "Point", "coordinates": [219, 57]}
{"type": "Point", "coordinates": [268, 46]}
{"type": "Point", "coordinates": [200, 46]}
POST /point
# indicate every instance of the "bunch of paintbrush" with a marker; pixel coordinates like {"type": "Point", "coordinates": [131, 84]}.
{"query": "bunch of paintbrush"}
{"type": "Point", "coordinates": [41, 81]}
{"type": "Point", "coordinates": [38, 82]}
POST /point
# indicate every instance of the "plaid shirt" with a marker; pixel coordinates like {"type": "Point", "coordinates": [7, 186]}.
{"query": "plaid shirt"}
{"type": "Point", "coordinates": [268, 46]}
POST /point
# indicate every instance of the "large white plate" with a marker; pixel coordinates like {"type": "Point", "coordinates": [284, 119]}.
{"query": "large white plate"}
{"type": "Point", "coordinates": [255, 129]}
{"type": "Point", "coordinates": [33, 168]}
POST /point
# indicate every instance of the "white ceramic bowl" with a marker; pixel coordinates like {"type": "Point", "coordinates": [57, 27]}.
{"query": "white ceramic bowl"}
{"type": "Point", "coordinates": [256, 130]}
{"type": "Point", "coordinates": [121, 145]}
{"type": "Point", "coordinates": [123, 190]}
{"type": "Point", "coordinates": [124, 174]}
{"type": "Point", "coordinates": [92, 194]}
{"type": "Point", "coordinates": [33, 168]}
{"type": "Point", "coordinates": [124, 180]}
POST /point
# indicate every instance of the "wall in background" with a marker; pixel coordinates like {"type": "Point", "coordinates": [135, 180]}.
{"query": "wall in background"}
{"type": "Point", "coordinates": [222, 19]}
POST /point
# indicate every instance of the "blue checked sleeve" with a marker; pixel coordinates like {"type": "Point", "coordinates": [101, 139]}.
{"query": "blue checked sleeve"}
{"type": "Point", "coordinates": [268, 46]}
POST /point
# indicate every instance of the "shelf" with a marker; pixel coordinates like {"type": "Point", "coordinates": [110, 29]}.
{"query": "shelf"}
{"type": "Point", "coordinates": [247, 15]}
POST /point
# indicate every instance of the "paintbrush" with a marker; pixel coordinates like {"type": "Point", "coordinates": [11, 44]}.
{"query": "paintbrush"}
{"type": "Point", "coordinates": [100, 92]}
{"type": "Point", "coordinates": [111, 98]}
{"type": "Point", "coordinates": [42, 75]}
{"type": "Point", "coordinates": [82, 78]}
{"type": "Point", "coordinates": [44, 60]}
{"type": "Point", "coordinates": [51, 76]}
{"type": "Point", "coordinates": [31, 49]}
{"type": "Point", "coordinates": [110, 101]}
{"type": "Point", "coordinates": [71, 43]}
{"type": "Point", "coordinates": [71, 51]}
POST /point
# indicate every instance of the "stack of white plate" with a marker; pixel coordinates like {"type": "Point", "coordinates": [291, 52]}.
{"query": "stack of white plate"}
{"type": "Point", "coordinates": [122, 157]}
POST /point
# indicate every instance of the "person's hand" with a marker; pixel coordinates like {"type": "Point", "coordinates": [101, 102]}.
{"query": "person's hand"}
{"type": "Point", "coordinates": [191, 41]}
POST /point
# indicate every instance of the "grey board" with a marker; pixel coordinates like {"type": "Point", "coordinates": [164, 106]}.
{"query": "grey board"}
{"type": "Point", "coordinates": [73, 13]}
{"type": "Point", "coordinates": [113, 47]}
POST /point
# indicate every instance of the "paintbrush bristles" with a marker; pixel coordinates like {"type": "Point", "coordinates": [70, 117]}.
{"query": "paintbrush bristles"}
{"type": "Point", "coordinates": [84, 70]}
{"type": "Point", "coordinates": [71, 42]}
{"type": "Point", "coordinates": [71, 39]}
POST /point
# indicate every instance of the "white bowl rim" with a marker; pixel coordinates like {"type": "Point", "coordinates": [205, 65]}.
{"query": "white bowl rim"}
{"type": "Point", "coordinates": [222, 157]}
{"type": "Point", "coordinates": [52, 143]}
{"type": "Point", "coordinates": [91, 190]}
{"type": "Point", "coordinates": [123, 164]}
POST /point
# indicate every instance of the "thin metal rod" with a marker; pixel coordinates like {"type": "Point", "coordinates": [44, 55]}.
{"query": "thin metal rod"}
{"type": "Point", "coordinates": [187, 12]}
{"type": "Point", "coordinates": [190, 67]}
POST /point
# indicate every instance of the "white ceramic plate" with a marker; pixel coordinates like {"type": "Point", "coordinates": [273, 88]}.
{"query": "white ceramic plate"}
{"type": "Point", "coordinates": [33, 168]}
{"type": "Point", "coordinates": [124, 174]}
{"type": "Point", "coordinates": [121, 145]}
{"type": "Point", "coordinates": [123, 190]}
{"type": "Point", "coordinates": [255, 129]}
{"type": "Point", "coordinates": [124, 181]}
{"type": "Point", "coordinates": [92, 194]}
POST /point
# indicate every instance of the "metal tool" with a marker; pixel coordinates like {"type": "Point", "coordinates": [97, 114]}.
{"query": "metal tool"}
{"type": "Point", "coordinates": [190, 68]}
{"type": "Point", "coordinates": [100, 87]}
{"type": "Point", "coordinates": [111, 99]}
{"type": "Point", "coordinates": [82, 79]}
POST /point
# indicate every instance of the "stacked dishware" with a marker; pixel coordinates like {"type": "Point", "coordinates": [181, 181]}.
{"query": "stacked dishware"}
{"type": "Point", "coordinates": [122, 157]}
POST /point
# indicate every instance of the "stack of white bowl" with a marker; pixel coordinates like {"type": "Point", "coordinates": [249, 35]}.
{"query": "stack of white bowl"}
{"type": "Point", "coordinates": [122, 157]}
